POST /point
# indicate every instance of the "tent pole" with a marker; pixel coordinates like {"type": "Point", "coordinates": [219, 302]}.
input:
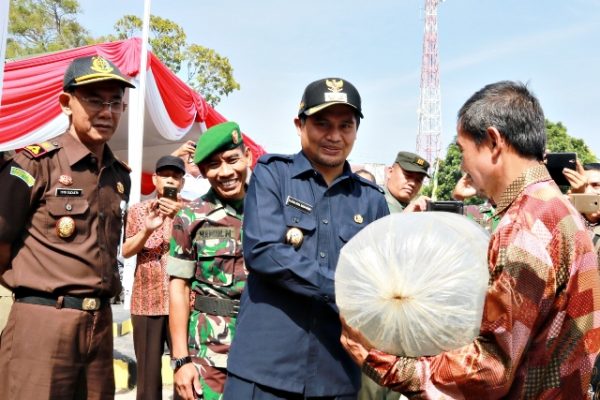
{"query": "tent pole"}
{"type": "Point", "coordinates": [4, 7]}
{"type": "Point", "coordinates": [136, 144]}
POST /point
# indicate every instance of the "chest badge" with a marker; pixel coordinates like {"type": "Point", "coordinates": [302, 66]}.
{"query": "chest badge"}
{"type": "Point", "coordinates": [65, 227]}
{"type": "Point", "coordinates": [65, 180]}
{"type": "Point", "coordinates": [294, 236]}
{"type": "Point", "coordinates": [120, 188]}
{"type": "Point", "coordinates": [358, 219]}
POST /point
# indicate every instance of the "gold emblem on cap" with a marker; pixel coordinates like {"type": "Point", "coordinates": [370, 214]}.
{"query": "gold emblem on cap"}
{"type": "Point", "coordinates": [99, 64]}
{"type": "Point", "coordinates": [120, 188]}
{"type": "Point", "coordinates": [235, 137]}
{"type": "Point", "coordinates": [420, 161]}
{"type": "Point", "coordinates": [335, 86]}
{"type": "Point", "coordinates": [294, 236]}
{"type": "Point", "coordinates": [65, 227]}
{"type": "Point", "coordinates": [65, 180]}
{"type": "Point", "coordinates": [358, 219]}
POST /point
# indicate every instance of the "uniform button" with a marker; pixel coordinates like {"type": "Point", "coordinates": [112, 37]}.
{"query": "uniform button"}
{"type": "Point", "coordinates": [68, 207]}
{"type": "Point", "coordinates": [296, 220]}
{"type": "Point", "coordinates": [326, 298]}
{"type": "Point", "coordinates": [101, 215]}
{"type": "Point", "coordinates": [325, 221]}
{"type": "Point", "coordinates": [93, 159]}
{"type": "Point", "coordinates": [322, 254]}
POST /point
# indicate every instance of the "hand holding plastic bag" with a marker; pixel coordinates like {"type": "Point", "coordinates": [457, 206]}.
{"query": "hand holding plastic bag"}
{"type": "Point", "coordinates": [414, 283]}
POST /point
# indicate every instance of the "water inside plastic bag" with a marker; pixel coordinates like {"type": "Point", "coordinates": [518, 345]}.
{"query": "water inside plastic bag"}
{"type": "Point", "coordinates": [414, 283]}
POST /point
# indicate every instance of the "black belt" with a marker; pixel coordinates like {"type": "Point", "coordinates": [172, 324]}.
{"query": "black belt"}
{"type": "Point", "coordinates": [49, 299]}
{"type": "Point", "coordinates": [216, 306]}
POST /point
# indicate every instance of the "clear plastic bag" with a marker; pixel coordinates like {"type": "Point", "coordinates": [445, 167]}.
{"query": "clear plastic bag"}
{"type": "Point", "coordinates": [414, 283]}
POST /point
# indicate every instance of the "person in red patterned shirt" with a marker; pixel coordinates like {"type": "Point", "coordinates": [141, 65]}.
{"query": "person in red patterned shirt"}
{"type": "Point", "coordinates": [540, 330]}
{"type": "Point", "coordinates": [147, 234]}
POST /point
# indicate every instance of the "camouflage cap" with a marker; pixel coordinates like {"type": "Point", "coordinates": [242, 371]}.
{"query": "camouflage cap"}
{"type": "Point", "coordinates": [221, 137]}
{"type": "Point", "coordinates": [86, 70]}
{"type": "Point", "coordinates": [412, 162]}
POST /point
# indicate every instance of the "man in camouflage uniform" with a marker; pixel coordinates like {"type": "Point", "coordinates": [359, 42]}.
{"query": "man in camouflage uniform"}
{"type": "Point", "coordinates": [206, 266]}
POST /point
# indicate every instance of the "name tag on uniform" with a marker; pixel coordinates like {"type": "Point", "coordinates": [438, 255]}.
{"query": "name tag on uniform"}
{"type": "Point", "coordinates": [64, 192]}
{"type": "Point", "coordinates": [298, 204]}
{"type": "Point", "coordinates": [214, 233]}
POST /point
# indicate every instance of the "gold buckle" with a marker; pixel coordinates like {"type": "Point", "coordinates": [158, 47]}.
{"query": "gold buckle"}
{"type": "Point", "coordinates": [90, 304]}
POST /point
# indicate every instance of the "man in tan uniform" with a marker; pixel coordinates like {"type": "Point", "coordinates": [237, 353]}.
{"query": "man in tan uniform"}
{"type": "Point", "coordinates": [61, 214]}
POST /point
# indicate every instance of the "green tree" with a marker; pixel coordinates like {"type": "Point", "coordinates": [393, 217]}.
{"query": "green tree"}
{"type": "Point", "coordinates": [207, 71]}
{"type": "Point", "coordinates": [448, 174]}
{"type": "Point", "coordinates": [166, 38]}
{"type": "Point", "coordinates": [560, 141]}
{"type": "Point", "coordinates": [42, 26]}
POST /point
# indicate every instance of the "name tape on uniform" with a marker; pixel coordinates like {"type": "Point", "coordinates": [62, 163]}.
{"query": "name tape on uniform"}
{"type": "Point", "coordinates": [63, 192]}
{"type": "Point", "coordinates": [298, 204]}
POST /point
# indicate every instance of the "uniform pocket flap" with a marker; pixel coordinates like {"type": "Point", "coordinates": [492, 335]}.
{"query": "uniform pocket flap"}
{"type": "Point", "coordinates": [305, 222]}
{"type": "Point", "coordinates": [66, 206]}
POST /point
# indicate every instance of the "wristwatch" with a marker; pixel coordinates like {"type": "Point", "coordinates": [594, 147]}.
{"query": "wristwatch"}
{"type": "Point", "coordinates": [177, 363]}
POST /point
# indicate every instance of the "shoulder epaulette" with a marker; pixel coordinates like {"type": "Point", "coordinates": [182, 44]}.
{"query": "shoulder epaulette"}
{"type": "Point", "coordinates": [124, 165]}
{"type": "Point", "coordinates": [38, 150]}
{"type": "Point", "coordinates": [368, 183]}
{"type": "Point", "coordinates": [267, 158]}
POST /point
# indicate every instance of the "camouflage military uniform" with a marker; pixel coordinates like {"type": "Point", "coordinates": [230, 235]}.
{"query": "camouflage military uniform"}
{"type": "Point", "coordinates": [483, 214]}
{"type": "Point", "coordinates": [208, 232]}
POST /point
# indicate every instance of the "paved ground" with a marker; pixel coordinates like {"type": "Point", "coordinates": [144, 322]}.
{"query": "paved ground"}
{"type": "Point", "coordinates": [124, 346]}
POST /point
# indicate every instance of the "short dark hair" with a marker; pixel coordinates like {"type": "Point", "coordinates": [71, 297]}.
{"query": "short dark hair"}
{"type": "Point", "coordinates": [592, 166]}
{"type": "Point", "coordinates": [511, 108]}
{"type": "Point", "coordinates": [365, 172]}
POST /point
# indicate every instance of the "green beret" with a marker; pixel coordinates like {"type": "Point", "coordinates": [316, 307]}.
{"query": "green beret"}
{"type": "Point", "coordinates": [221, 137]}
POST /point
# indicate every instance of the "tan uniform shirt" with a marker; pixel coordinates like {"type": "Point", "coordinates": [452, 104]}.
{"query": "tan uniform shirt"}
{"type": "Point", "coordinates": [60, 182]}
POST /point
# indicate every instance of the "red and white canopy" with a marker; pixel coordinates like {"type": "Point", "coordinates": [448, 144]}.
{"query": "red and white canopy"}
{"type": "Point", "coordinates": [174, 112]}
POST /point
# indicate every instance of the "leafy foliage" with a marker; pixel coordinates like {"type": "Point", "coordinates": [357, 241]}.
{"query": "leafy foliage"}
{"type": "Point", "coordinates": [42, 26]}
{"type": "Point", "coordinates": [167, 39]}
{"type": "Point", "coordinates": [449, 171]}
{"type": "Point", "coordinates": [207, 71]}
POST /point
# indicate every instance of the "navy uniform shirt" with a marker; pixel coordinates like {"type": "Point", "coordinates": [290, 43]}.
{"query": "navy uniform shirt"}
{"type": "Point", "coordinates": [288, 329]}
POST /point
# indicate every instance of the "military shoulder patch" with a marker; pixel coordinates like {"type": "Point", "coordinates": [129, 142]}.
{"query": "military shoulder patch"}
{"type": "Point", "coordinates": [38, 150]}
{"type": "Point", "coordinates": [23, 175]}
{"type": "Point", "coordinates": [267, 158]}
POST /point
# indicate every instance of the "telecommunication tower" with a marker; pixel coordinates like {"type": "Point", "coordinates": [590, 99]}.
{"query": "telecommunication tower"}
{"type": "Point", "coordinates": [430, 111]}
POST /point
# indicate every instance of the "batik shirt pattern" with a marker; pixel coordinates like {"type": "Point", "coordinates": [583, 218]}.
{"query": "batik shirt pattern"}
{"type": "Point", "coordinates": [208, 232]}
{"type": "Point", "coordinates": [150, 293]}
{"type": "Point", "coordinates": [540, 331]}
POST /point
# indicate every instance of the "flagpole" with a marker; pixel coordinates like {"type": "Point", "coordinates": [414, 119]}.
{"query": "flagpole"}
{"type": "Point", "coordinates": [4, 8]}
{"type": "Point", "coordinates": [135, 149]}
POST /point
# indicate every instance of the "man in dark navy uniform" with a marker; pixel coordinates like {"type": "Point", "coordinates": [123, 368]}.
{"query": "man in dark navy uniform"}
{"type": "Point", "coordinates": [300, 210]}
{"type": "Point", "coordinates": [61, 214]}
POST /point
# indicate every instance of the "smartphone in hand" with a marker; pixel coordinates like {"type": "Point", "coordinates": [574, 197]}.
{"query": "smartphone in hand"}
{"type": "Point", "coordinates": [585, 203]}
{"type": "Point", "coordinates": [556, 162]}
{"type": "Point", "coordinates": [170, 192]}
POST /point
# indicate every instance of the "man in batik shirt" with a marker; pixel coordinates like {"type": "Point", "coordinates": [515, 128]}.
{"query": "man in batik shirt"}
{"type": "Point", "coordinates": [540, 330]}
{"type": "Point", "coordinates": [147, 235]}
{"type": "Point", "coordinates": [206, 266]}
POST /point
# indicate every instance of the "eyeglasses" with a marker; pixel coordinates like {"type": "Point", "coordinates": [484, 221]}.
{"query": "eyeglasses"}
{"type": "Point", "coordinates": [96, 104]}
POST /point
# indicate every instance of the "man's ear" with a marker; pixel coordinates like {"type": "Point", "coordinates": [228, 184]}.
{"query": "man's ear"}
{"type": "Point", "coordinates": [249, 156]}
{"type": "Point", "coordinates": [298, 125]}
{"type": "Point", "coordinates": [65, 99]}
{"type": "Point", "coordinates": [495, 140]}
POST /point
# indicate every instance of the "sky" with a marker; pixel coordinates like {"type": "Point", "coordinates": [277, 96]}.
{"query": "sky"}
{"type": "Point", "coordinates": [277, 47]}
